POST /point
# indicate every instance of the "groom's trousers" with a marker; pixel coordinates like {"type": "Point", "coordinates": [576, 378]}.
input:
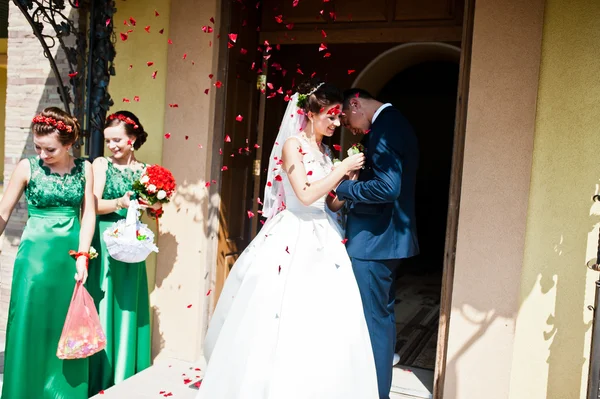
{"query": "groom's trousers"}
{"type": "Point", "coordinates": [375, 280]}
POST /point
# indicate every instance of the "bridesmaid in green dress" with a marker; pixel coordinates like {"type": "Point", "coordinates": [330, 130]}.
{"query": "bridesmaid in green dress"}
{"type": "Point", "coordinates": [119, 289]}
{"type": "Point", "coordinates": [58, 189]}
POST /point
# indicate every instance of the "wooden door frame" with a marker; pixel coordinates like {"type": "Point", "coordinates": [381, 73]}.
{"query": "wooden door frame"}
{"type": "Point", "coordinates": [458, 150]}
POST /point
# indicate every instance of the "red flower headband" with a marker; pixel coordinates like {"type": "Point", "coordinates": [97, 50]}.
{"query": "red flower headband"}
{"type": "Point", "coordinates": [59, 125]}
{"type": "Point", "coordinates": [123, 118]}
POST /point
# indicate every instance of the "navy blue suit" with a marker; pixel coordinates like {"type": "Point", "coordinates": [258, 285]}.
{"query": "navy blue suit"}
{"type": "Point", "coordinates": [381, 228]}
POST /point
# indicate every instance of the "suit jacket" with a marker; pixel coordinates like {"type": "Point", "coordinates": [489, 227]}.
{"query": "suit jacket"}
{"type": "Point", "coordinates": [381, 220]}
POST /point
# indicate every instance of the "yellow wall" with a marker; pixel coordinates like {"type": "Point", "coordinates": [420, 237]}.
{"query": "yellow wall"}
{"type": "Point", "coordinates": [140, 48]}
{"type": "Point", "coordinates": [553, 325]}
{"type": "Point", "coordinates": [3, 86]}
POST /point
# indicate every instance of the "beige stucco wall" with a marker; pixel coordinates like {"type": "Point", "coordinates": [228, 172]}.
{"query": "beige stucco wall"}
{"type": "Point", "coordinates": [134, 78]}
{"type": "Point", "coordinates": [553, 331]}
{"type": "Point", "coordinates": [188, 231]}
{"type": "Point", "coordinates": [495, 190]}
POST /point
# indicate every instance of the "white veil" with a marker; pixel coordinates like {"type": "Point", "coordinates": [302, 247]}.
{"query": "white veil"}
{"type": "Point", "coordinates": [292, 124]}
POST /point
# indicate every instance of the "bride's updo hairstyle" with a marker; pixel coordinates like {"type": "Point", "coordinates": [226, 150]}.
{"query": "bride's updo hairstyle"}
{"type": "Point", "coordinates": [314, 96]}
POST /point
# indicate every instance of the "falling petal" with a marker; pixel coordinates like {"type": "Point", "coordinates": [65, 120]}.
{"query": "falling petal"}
{"type": "Point", "coordinates": [324, 34]}
{"type": "Point", "coordinates": [156, 14]}
{"type": "Point", "coordinates": [147, 28]}
{"type": "Point", "coordinates": [189, 306]}
{"type": "Point", "coordinates": [170, 41]}
{"type": "Point", "coordinates": [161, 31]}
{"type": "Point", "coordinates": [239, 118]}
{"type": "Point", "coordinates": [337, 147]}
{"type": "Point", "coordinates": [344, 241]}
{"type": "Point", "coordinates": [123, 36]}
{"type": "Point", "coordinates": [233, 37]}
{"type": "Point", "coordinates": [125, 100]}
{"type": "Point", "coordinates": [149, 63]}
{"type": "Point", "coordinates": [250, 214]}
{"type": "Point", "coordinates": [327, 55]}
{"type": "Point", "coordinates": [322, 47]}
{"type": "Point", "coordinates": [107, 21]}
{"type": "Point", "coordinates": [224, 168]}
{"type": "Point", "coordinates": [184, 56]}
{"type": "Point", "coordinates": [206, 91]}
{"type": "Point", "coordinates": [279, 18]}
{"type": "Point", "coordinates": [351, 71]}
{"type": "Point", "coordinates": [73, 74]}
{"type": "Point", "coordinates": [167, 135]}
{"type": "Point", "coordinates": [210, 76]}
{"type": "Point", "coordinates": [227, 139]}
{"type": "Point", "coordinates": [136, 99]}
{"type": "Point", "coordinates": [243, 51]}
{"type": "Point", "coordinates": [290, 26]}
{"type": "Point", "coordinates": [212, 19]}
{"type": "Point", "coordinates": [154, 74]}
{"type": "Point", "coordinates": [218, 84]}
{"type": "Point", "coordinates": [132, 20]}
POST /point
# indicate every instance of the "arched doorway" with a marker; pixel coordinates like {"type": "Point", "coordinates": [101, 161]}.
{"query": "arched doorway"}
{"type": "Point", "coordinates": [421, 80]}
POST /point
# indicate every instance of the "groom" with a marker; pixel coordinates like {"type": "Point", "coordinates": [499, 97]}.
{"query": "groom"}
{"type": "Point", "coordinates": [381, 228]}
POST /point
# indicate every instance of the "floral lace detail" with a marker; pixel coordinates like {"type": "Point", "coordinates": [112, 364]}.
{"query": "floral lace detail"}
{"type": "Point", "coordinates": [119, 181]}
{"type": "Point", "coordinates": [46, 189]}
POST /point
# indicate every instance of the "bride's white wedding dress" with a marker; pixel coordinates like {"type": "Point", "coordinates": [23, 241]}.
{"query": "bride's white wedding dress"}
{"type": "Point", "coordinates": [289, 323]}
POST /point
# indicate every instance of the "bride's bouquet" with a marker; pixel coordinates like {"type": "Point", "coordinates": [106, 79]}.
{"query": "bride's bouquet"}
{"type": "Point", "coordinates": [128, 240]}
{"type": "Point", "coordinates": [156, 184]}
{"type": "Point", "coordinates": [356, 148]}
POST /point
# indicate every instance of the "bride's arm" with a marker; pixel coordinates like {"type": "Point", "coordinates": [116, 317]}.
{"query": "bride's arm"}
{"type": "Point", "coordinates": [307, 192]}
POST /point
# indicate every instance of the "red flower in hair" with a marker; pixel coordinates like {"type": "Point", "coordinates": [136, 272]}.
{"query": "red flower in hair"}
{"type": "Point", "coordinates": [46, 120]}
{"type": "Point", "coordinates": [123, 118]}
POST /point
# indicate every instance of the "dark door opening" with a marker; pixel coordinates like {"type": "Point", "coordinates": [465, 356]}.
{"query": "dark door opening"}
{"type": "Point", "coordinates": [426, 94]}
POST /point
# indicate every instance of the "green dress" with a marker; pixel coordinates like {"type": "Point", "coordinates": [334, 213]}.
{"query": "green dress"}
{"type": "Point", "coordinates": [42, 286]}
{"type": "Point", "coordinates": [120, 291]}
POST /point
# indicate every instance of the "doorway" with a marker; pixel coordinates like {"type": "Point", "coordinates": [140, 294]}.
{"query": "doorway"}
{"type": "Point", "coordinates": [426, 95]}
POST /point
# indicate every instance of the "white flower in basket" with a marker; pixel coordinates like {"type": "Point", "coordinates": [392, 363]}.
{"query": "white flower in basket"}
{"type": "Point", "coordinates": [129, 240]}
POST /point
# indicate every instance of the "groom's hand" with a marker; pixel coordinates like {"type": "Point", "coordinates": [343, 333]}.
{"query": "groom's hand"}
{"type": "Point", "coordinates": [353, 175]}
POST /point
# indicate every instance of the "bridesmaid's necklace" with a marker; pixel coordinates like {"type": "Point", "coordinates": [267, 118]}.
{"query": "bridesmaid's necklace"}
{"type": "Point", "coordinates": [61, 171]}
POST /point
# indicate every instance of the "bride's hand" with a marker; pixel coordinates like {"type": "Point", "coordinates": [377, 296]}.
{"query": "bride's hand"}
{"type": "Point", "coordinates": [354, 162]}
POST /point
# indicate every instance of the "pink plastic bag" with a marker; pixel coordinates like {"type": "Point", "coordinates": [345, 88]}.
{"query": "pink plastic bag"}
{"type": "Point", "coordinates": [82, 334]}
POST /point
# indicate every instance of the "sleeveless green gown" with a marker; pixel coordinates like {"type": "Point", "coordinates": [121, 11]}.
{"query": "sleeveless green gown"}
{"type": "Point", "coordinates": [42, 286]}
{"type": "Point", "coordinates": [120, 291]}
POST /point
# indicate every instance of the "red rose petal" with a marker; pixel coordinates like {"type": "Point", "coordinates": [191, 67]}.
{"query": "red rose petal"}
{"type": "Point", "coordinates": [170, 41]}
{"type": "Point", "coordinates": [184, 56]}
{"type": "Point", "coordinates": [132, 20]}
{"type": "Point", "coordinates": [218, 84]}
{"type": "Point", "coordinates": [233, 37]}
{"type": "Point", "coordinates": [344, 241]}
{"type": "Point", "coordinates": [224, 168]}
{"type": "Point", "coordinates": [227, 139]}
{"type": "Point", "coordinates": [351, 71]}
{"type": "Point", "coordinates": [250, 214]}
{"type": "Point", "coordinates": [73, 74]}
{"type": "Point", "coordinates": [123, 36]}
{"type": "Point", "coordinates": [147, 28]}
{"type": "Point", "coordinates": [126, 100]}
{"type": "Point", "coordinates": [208, 293]}
{"type": "Point", "coordinates": [322, 47]}
{"type": "Point", "coordinates": [161, 31]}
{"type": "Point", "coordinates": [156, 14]}
{"type": "Point", "coordinates": [149, 63]}
{"type": "Point", "coordinates": [206, 91]}
{"type": "Point", "coordinates": [154, 74]}
{"type": "Point", "coordinates": [337, 147]}
{"type": "Point", "coordinates": [189, 306]}
{"type": "Point", "coordinates": [136, 99]}
{"type": "Point", "coordinates": [239, 118]}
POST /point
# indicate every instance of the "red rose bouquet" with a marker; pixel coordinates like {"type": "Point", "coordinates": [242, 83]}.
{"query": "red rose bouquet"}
{"type": "Point", "coordinates": [156, 184]}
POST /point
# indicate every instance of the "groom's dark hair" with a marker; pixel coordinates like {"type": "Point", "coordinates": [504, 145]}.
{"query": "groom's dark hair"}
{"type": "Point", "coordinates": [355, 93]}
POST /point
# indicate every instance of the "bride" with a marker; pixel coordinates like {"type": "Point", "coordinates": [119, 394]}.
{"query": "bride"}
{"type": "Point", "coordinates": [289, 323]}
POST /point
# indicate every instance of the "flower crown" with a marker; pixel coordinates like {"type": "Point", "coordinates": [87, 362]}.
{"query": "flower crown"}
{"type": "Point", "coordinates": [123, 118]}
{"type": "Point", "coordinates": [59, 125]}
{"type": "Point", "coordinates": [303, 98]}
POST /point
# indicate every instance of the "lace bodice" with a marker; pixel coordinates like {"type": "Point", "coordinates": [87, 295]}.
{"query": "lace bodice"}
{"type": "Point", "coordinates": [46, 189]}
{"type": "Point", "coordinates": [317, 165]}
{"type": "Point", "coordinates": [119, 181]}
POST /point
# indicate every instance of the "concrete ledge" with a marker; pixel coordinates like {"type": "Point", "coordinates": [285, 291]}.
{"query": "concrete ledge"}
{"type": "Point", "coordinates": [168, 378]}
